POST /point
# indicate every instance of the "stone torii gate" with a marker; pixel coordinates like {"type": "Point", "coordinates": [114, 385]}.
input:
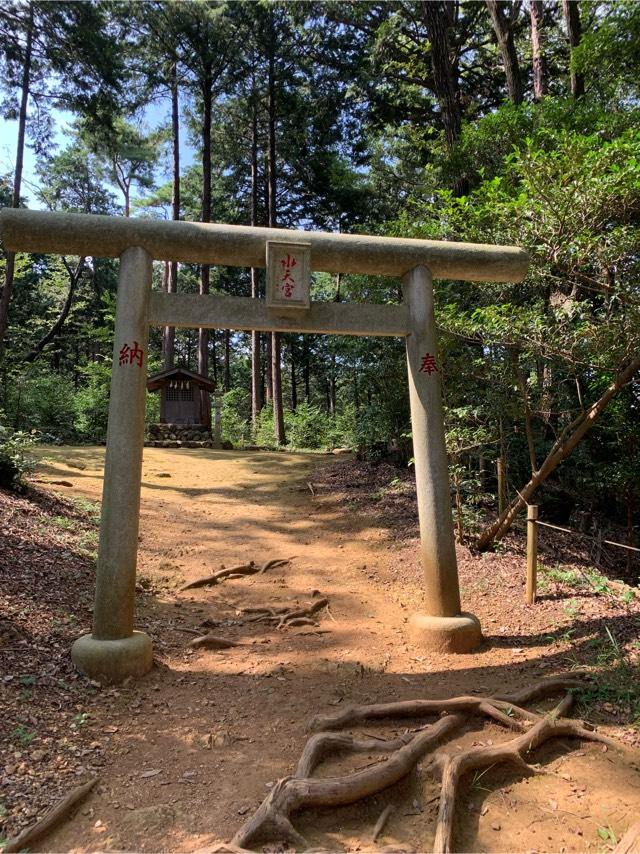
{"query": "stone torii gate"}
{"type": "Point", "coordinates": [114, 650]}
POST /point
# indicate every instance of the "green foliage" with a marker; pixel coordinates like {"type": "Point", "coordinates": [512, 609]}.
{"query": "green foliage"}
{"type": "Point", "coordinates": [15, 458]}
{"type": "Point", "coordinates": [609, 55]}
{"type": "Point", "coordinates": [43, 401]}
{"type": "Point", "coordinates": [371, 431]}
{"type": "Point", "coordinates": [236, 417]}
{"type": "Point", "coordinates": [263, 432]}
{"type": "Point", "coordinates": [359, 147]}
{"type": "Point", "coordinates": [308, 427]}
{"type": "Point", "coordinates": [92, 402]}
{"type": "Point", "coordinates": [616, 683]}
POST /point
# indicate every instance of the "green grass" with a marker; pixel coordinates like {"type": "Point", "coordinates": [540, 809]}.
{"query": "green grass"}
{"type": "Point", "coordinates": [23, 736]}
{"type": "Point", "coordinates": [88, 540]}
{"type": "Point", "coordinates": [570, 577]}
{"type": "Point", "coordinates": [91, 508]}
{"type": "Point", "coordinates": [618, 682]}
{"type": "Point", "coordinates": [582, 579]}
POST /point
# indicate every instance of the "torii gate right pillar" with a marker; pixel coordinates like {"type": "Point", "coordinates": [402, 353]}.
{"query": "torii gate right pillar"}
{"type": "Point", "coordinates": [443, 627]}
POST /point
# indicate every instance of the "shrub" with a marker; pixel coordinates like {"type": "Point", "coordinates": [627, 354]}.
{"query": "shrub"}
{"type": "Point", "coordinates": [236, 417]}
{"type": "Point", "coordinates": [42, 400]}
{"type": "Point", "coordinates": [15, 460]}
{"type": "Point", "coordinates": [92, 402]}
{"type": "Point", "coordinates": [307, 427]}
{"type": "Point", "coordinates": [263, 433]}
{"type": "Point", "coordinates": [371, 432]}
{"type": "Point", "coordinates": [342, 430]}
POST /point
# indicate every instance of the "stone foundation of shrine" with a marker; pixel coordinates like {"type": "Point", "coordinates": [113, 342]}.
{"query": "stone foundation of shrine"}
{"type": "Point", "coordinates": [182, 436]}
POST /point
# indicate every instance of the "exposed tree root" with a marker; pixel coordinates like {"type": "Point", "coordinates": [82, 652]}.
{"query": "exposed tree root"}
{"type": "Point", "coordinates": [416, 708]}
{"type": "Point", "coordinates": [235, 572]}
{"type": "Point", "coordinates": [381, 822]}
{"type": "Point", "coordinates": [50, 819]}
{"type": "Point", "coordinates": [271, 564]}
{"type": "Point", "coordinates": [207, 581]}
{"type": "Point", "coordinates": [350, 715]}
{"type": "Point", "coordinates": [272, 819]}
{"type": "Point", "coordinates": [302, 613]}
{"type": "Point", "coordinates": [285, 616]}
{"type": "Point", "coordinates": [293, 793]}
{"type": "Point", "coordinates": [213, 642]}
{"type": "Point", "coordinates": [454, 767]}
{"type": "Point", "coordinates": [630, 842]}
{"type": "Point", "coordinates": [323, 744]}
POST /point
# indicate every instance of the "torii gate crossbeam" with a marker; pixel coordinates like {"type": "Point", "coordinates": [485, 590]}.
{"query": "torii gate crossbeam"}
{"type": "Point", "coordinates": [114, 650]}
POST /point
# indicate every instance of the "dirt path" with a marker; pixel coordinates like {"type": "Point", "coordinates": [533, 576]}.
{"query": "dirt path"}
{"type": "Point", "coordinates": [195, 746]}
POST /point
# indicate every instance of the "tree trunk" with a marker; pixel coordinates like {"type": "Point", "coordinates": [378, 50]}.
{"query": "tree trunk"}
{"type": "Point", "coordinates": [276, 368]}
{"type": "Point", "coordinates": [332, 387]}
{"type": "Point", "coordinates": [169, 332]}
{"type": "Point", "coordinates": [203, 334]}
{"type": "Point", "coordinates": [562, 447]}
{"type": "Point", "coordinates": [503, 28]}
{"type": "Point", "coordinates": [631, 537]}
{"type": "Point", "coordinates": [528, 423]}
{"type": "Point", "coordinates": [306, 374]}
{"type": "Point", "coordinates": [268, 378]}
{"type": "Point", "coordinates": [74, 276]}
{"type": "Point", "coordinates": [7, 291]}
{"type": "Point", "coordinates": [256, 380]}
{"type": "Point", "coordinates": [294, 384]}
{"type": "Point", "coordinates": [540, 83]}
{"type": "Point", "coordinates": [227, 360]}
{"type": "Point", "coordinates": [571, 12]}
{"type": "Point", "coordinates": [213, 356]}
{"type": "Point", "coordinates": [278, 408]}
{"type": "Point", "coordinates": [445, 78]}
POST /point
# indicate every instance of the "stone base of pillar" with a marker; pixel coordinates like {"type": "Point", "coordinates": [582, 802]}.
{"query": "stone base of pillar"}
{"type": "Point", "coordinates": [112, 661]}
{"type": "Point", "coordinates": [446, 634]}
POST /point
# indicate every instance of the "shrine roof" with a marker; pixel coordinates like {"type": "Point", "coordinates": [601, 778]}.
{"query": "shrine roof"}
{"type": "Point", "coordinates": [156, 381]}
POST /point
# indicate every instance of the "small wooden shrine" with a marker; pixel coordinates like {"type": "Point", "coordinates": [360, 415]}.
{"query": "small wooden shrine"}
{"type": "Point", "coordinates": [184, 397]}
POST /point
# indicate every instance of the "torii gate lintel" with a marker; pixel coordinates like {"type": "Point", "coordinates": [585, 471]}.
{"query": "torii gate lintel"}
{"type": "Point", "coordinates": [114, 651]}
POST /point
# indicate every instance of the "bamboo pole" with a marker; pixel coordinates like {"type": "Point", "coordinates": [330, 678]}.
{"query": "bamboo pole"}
{"type": "Point", "coordinates": [532, 552]}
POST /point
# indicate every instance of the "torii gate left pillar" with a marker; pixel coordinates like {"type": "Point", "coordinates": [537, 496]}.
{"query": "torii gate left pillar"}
{"type": "Point", "coordinates": [114, 651]}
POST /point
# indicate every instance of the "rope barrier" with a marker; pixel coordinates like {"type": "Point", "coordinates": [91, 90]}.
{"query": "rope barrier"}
{"type": "Point", "coordinates": [586, 536]}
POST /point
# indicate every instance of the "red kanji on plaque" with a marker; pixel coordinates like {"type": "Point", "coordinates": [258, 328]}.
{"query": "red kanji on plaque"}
{"type": "Point", "coordinates": [287, 282]}
{"type": "Point", "coordinates": [288, 275]}
{"type": "Point", "coordinates": [130, 355]}
{"type": "Point", "coordinates": [428, 365]}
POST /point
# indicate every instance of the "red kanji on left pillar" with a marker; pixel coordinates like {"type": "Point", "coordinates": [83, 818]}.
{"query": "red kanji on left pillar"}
{"type": "Point", "coordinates": [128, 355]}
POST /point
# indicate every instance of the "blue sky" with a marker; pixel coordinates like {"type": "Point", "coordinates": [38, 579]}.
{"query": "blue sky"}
{"type": "Point", "coordinates": [155, 115]}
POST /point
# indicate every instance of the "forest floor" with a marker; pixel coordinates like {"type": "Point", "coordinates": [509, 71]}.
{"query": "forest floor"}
{"type": "Point", "coordinates": [186, 754]}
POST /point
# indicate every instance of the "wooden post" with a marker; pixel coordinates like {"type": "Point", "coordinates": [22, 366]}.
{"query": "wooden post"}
{"type": "Point", "coordinates": [502, 485]}
{"type": "Point", "coordinates": [532, 552]}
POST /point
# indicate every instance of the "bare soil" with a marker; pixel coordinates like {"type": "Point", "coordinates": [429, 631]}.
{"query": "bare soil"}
{"type": "Point", "coordinates": [187, 753]}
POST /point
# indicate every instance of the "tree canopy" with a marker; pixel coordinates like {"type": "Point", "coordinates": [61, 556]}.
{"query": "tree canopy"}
{"type": "Point", "coordinates": [513, 123]}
